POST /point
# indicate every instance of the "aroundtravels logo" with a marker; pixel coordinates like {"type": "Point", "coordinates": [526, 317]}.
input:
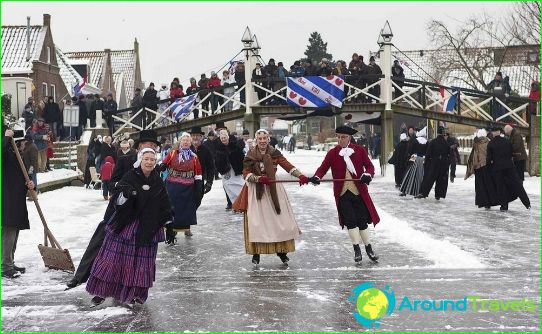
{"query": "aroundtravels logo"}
{"type": "Point", "coordinates": [372, 304]}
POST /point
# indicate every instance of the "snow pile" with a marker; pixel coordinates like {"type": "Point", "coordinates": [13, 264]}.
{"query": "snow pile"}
{"type": "Point", "coordinates": [57, 174]}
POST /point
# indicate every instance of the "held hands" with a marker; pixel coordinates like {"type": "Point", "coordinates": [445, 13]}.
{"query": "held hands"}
{"type": "Point", "coordinates": [303, 180]}
{"type": "Point", "coordinates": [264, 180]}
{"type": "Point", "coordinates": [366, 178]}
{"type": "Point", "coordinates": [315, 180]}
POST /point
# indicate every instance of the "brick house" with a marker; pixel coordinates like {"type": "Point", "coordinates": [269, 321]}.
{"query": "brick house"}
{"type": "Point", "coordinates": [30, 68]}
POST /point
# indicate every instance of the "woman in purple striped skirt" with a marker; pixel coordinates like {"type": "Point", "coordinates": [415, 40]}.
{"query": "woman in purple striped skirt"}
{"type": "Point", "coordinates": [126, 263]}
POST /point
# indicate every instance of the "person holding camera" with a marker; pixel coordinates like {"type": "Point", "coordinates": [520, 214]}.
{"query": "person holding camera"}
{"type": "Point", "coordinates": [126, 263]}
{"type": "Point", "coordinates": [349, 161]}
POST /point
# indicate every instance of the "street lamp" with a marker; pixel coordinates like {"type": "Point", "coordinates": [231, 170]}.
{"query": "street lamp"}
{"type": "Point", "coordinates": [380, 40]}
{"type": "Point", "coordinates": [247, 39]}
{"type": "Point", "coordinates": [256, 45]}
{"type": "Point", "coordinates": [386, 32]}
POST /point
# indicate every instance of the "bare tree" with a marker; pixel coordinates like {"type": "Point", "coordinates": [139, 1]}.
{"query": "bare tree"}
{"type": "Point", "coordinates": [461, 52]}
{"type": "Point", "coordinates": [523, 23]}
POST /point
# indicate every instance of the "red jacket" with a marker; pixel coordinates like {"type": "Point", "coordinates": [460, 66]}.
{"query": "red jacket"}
{"type": "Point", "coordinates": [362, 163]}
{"type": "Point", "coordinates": [107, 168]}
{"type": "Point", "coordinates": [213, 82]}
{"type": "Point", "coordinates": [176, 93]}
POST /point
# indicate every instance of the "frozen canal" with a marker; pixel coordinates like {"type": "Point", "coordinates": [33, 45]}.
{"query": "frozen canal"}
{"type": "Point", "coordinates": [428, 249]}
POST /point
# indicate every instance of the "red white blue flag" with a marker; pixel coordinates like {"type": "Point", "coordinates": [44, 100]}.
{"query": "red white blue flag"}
{"type": "Point", "coordinates": [315, 92]}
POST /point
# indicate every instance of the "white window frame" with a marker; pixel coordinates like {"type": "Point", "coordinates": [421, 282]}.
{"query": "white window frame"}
{"type": "Point", "coordinates": [44, 91]}
{"type": "Point", "coordinates": [53, 92]}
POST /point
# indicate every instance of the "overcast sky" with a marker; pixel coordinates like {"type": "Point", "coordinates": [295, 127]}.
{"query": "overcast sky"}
{"type": "Point", "coordinates": [179, 39]}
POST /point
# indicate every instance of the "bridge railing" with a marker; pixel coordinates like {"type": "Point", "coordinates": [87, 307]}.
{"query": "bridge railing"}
{"type": "Point", "coordinates": [469, 102]}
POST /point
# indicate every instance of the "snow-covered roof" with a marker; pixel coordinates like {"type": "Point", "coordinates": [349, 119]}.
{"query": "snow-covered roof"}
{"type": "Point", "coordinates": [421, 65]}
{"type": "Point", "coordinates": [122, 62]}
{"type": "Point", "coordinates": [70, 77]}
{"type": "Point", "coordinates": [14, 48]}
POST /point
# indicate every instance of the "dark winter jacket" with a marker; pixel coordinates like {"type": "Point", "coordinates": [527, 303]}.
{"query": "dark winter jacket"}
{"type": "Point", "coordinates": [38, 136]}
{"type": "Point", "coordinates": [150, 99]}
{"type": "Point", "coordinates": [297, 71]}
{"type": "Point", "coordinates": [97, 147]}
{"type": "Point", "coordinates": [230, 156]}
{"type": "Point", "coordinates": [438, 150]}
{"type": "Point", "coordinates": [83, 113]}
{"type": "Point", "coordinates": [51, 113]}
{"type": "Point", "coordinates": [109, 108]}
{"type": "Point", "coordinates": [499, 87]}
{"type": "Point", "coordinates": [97, 104]}
{"type": "Point", "coordinates": [373, 70]}
{"type": "Point", "coordinates": [151, 208]}
{"type": "Point", "coordinates": [239, 78]}
{"type": "Point", "coordinates": [108, 151]}
{"type": "Point", "coordinates": [207, 163]}
{"type": "Point", "coordinates": [499, 154]}
{"type": "Point", "coordinates": [28, 114]}
{"type": "Point", "coordinates": [30, 157]}
{"type": "Point", "coordinates": [123, 166]}
{"type": "Point", "coordinates": [518, 148]}
{"type": "Point", "coordinates": [14, 211]}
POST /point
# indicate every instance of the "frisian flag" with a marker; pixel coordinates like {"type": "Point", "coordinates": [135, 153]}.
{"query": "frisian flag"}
{"type": "Point", "coordinates": [183, 106]}
{"type": "Point", "coordinates": [315, 92]}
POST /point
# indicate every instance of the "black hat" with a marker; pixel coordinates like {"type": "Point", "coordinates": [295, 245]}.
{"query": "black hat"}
{"type": "Point", "coordinates": [146, 136]}
{"type": "Point", "coordinates": [211, 133]}
{"type": "Point", "coordinates": [372, 58]}
{"type": "Point", "coordinates": [440, 130]}
{"type": "Point", "coordinates": [346, 130]}
{"type": "Point", "coordinates": [197, 129]}
{"type": "Point", "coordinates": [151, 84]}
{"type": "Point", "coordinates": [245, 132]}
{"type": "Point", "coordinates": [220, 125]}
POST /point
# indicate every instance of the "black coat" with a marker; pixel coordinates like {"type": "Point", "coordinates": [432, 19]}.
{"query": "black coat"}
{"type": "Point", "coordinates": [207, 163]}
{"type": "Point", "coordinates": [438, 150]}
{"type": "Point", "coordinates": [150, 99]}
{"type": "Point", "coordinates": [229, 156]}
{"type": "Point", "coordinates": [123, 165]}
{"type": "Point", "coordinates": [51, 112]}
{"type": "Point", "coordinates": [97, 147]}
{"type": "Point", "coordinates": [97, 104]}
{"type": "Point", "coordinates": [150, 207]}
{"type": "Point", "coordinates": [14, 211]}
{"type": "Point", "coordinates": [83, 113]}
{"type": "Point", "coordinates": [108, 150]}
{"type": "Point", "coordinates": [273, 142]}
{"type": "Point", "coordinates": [499, 154]}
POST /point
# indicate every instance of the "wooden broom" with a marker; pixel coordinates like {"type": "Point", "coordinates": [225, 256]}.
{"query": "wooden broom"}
{"type": "Point", "coordinates": [54, 257]}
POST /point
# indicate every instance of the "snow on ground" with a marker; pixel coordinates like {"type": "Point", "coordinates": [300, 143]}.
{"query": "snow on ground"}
{"type": "Point", "coordinates": [56, 174]}
{"type": "Point", "coordinates": [428, 248]}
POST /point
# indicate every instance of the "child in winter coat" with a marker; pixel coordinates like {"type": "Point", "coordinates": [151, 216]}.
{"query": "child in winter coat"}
{"type": "Point", "coordinates": [105, 175]}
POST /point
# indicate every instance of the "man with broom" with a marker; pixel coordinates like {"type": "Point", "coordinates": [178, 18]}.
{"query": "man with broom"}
{"type": "Point", "coordinates": [14, 210]}
{"type": "Point", "coordinates": [147, 139]}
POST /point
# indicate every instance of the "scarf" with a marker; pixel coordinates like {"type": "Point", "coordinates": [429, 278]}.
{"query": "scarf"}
{"type": "Point", "coordinates": [346, 152]}
{"type": "Point", "coordinates": [185, 154]}
{"type": "Point", "coordinates": [253, 159]}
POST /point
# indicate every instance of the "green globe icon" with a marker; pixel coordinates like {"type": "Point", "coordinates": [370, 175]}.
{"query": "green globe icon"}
{"type": "Point", "coordinates": [372, 304]}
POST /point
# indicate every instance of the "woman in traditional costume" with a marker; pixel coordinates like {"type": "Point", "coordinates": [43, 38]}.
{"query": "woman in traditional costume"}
{"type": "Point", "coordinates": [269, 223]}
{"type": "Point", "coordinates": [125, 267]}
{"type": "Point", "coordinates": [184, 185]}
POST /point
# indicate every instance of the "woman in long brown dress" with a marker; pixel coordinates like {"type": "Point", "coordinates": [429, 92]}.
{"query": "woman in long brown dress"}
{"type": "Point", "coordinates": [269, 224]}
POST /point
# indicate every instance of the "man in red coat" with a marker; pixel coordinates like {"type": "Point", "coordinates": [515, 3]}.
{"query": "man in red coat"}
{"type": "Point", "coordinates": [355, 207]}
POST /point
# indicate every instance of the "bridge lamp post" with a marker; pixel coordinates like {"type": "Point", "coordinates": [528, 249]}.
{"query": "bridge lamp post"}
{"type": "Point", "coordinates": [251, 46]}
{"type": "Point", "coordinates": [386, 142]}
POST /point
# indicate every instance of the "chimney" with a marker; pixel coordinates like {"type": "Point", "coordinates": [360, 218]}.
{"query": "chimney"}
{"type": "Point", "coordinates": [27, 38]}
{"type": "Point", "coordinates": [46, 20]}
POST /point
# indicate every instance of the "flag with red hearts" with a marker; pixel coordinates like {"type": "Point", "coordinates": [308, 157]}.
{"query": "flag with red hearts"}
{"type": "Point", "coordinates": [315, 92]}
